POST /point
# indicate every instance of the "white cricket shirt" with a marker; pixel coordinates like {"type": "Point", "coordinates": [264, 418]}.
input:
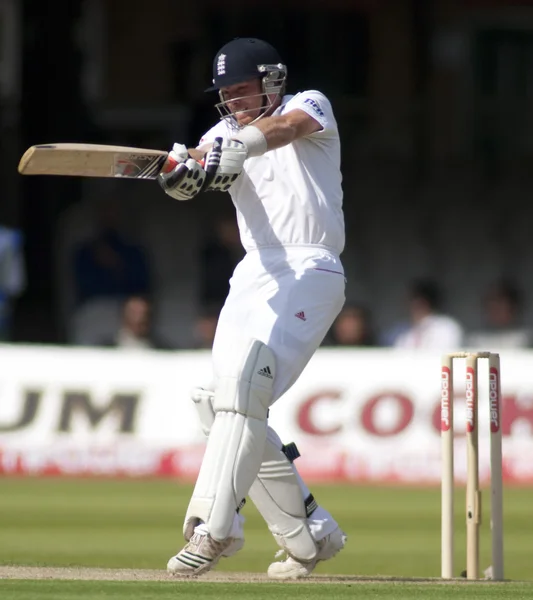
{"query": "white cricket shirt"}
{"type": "Point", "coordinates": [292, 196]}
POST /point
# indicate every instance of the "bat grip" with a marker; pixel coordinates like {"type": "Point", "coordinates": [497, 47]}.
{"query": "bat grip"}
{"type": "Point", "coordinates": [169, 165]}
{"type": "Point", "coordinates": [213, 161]}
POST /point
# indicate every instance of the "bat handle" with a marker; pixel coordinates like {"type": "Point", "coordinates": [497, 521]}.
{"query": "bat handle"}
{"type": "Point", "coordinates": [169, 165]}
{"type": "Point", "coordinates": [213, 161]}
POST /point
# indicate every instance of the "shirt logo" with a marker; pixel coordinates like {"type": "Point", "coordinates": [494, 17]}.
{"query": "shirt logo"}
{"type": "Point", "coordinates": [315, 105]}
{"type": "Point", "coordinates": [221, 64]}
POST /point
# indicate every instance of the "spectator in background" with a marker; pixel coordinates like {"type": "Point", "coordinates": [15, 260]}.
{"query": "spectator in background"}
{"type": "Point", "coordinates": [136, 327]}
{"type": "Point", "coordinates": [108, 265]}
{"type": "Point", "coordinates": [12, 276]}
{"type": "Point", "coordinates": [352, 327]}
{"type": "Point", "coordinates": [108, 268]}
{"type": "Point", "coordinates": [220, 254]}
{"type": "Point", "coordinates": [429, 328]}
{"type": "Point", "coordinates": [504, 329]}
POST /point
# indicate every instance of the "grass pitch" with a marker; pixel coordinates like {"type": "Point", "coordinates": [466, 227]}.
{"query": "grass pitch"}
{"type": "Point", "coordinates": [393, 532]}
{"type": "Point", "coordinates": [100, 590]}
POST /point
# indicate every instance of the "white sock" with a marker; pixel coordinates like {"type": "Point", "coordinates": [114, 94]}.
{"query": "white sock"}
{"type": "Point", "coordinates": [201, 529]}
{"type": "Point", "coordinates": [237, 527]}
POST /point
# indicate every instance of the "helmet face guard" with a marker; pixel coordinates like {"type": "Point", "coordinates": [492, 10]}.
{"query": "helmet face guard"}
{"type": "Point", "coordinates": [273, 86]}
{"type": "Point", "coordinates": [245, 59]}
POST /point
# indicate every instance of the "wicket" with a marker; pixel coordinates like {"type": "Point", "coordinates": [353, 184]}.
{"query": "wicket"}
{"type": "Point", "coordinates": [473, 493]}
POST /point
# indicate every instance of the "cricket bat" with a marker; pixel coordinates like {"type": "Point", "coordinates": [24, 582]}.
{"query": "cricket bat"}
{"type": "Point", "coordinates": [94, 160]}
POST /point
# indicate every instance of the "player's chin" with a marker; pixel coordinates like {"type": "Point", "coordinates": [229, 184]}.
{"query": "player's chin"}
{"type": "Point", "coordinates": [243, 121]}
{"type": "Point", "coordinates": [245, 118]}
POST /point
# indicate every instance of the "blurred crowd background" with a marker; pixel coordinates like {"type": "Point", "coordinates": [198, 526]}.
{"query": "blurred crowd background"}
{"type": "Point", "coordinates": [434, 100]}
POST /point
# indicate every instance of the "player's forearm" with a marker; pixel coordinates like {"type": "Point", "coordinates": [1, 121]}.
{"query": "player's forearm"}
{"type": "Point", "coordinates": [278, 131]}
{"type": "Point", "coordinates": [267, 134]}
{"type": "Point", "coordinates": [271, 133]}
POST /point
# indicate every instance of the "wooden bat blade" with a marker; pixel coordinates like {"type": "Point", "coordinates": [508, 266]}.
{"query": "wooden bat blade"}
{"type": "Point", "coordinates": [93, 160]}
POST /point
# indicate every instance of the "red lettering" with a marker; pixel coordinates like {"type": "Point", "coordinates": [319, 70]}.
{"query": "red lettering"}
{"type": "Point", "coordinates": [406, 411]}
{"type": "Point", "coordinates": [494, 397]}
{"type": "Point", "coordinates": [305, 418]}
{"type": "Point", "coordinates": [470, 401]}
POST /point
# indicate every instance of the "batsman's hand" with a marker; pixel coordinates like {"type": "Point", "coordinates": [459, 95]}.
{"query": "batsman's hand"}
{"type": "Point", "coordinates": [232, 157]}
{"type": "Point", "coordinates": [186, 179]}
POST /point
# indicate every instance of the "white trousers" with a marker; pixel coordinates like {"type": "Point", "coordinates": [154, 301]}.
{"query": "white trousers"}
{"type": "Point", "coordinates": [288, 299]}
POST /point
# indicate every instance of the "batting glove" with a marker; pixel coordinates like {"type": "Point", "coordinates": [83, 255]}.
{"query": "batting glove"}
{"type": "Point", "coordinates": [186, 179]}
{"type": "Point", "coordinates": [232, 157]}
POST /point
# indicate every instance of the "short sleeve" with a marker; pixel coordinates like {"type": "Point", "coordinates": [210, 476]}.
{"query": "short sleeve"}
{"type": "Point", "coordinates": [317, 106]}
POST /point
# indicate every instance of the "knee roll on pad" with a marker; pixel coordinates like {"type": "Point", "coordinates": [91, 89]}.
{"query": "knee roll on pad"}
{"type": "Point", "coordinates": [248, 390]}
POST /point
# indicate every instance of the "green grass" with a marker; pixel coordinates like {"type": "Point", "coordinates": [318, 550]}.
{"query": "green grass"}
{"type": "Point", "coordinates": [393, 531]}
{"type": "Point", "coordinates": [96, 590]}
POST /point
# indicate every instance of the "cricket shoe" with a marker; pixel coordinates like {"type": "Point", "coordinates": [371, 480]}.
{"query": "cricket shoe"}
{"type": "Point", "coordinates": [201, 554]}
{"type": "Point", "coordinates": [291, 568]}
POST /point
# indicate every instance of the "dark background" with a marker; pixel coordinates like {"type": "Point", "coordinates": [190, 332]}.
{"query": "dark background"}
{"type": "Point", "coordinates": [433, 100]}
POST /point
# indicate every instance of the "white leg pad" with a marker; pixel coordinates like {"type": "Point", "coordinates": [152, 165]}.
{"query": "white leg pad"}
{"type": "Point", "coordinates": [236, 442]}
{"type": "Point", "coordinates": [277, 490]}
{"type": "Point", "coordinates": [278, 497]}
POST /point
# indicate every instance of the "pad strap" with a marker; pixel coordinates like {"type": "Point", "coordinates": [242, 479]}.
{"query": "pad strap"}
{"type": "Point", "coordinates": [310, 505]}
{"type": "Point", "coordinates": [291, 451]}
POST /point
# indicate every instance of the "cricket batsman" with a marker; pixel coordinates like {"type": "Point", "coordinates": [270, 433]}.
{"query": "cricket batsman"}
{"type": "Point", "coordinates": [278, 155]}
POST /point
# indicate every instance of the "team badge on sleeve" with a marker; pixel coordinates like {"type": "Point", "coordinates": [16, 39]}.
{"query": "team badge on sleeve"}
{"type": "Point", "coordinates": [315, 105]}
